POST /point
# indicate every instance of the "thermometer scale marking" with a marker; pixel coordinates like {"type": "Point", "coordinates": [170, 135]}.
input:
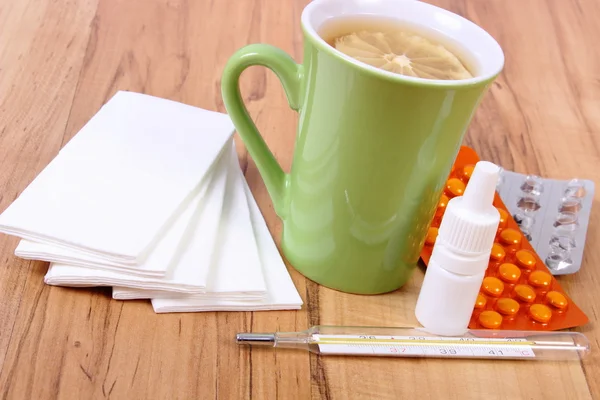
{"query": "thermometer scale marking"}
{"type": "Point", "coordinates": [408, 346]}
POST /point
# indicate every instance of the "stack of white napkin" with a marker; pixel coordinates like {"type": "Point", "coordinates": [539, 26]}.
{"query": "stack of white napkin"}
{"type": "Point", "coordinates": [149, 198]}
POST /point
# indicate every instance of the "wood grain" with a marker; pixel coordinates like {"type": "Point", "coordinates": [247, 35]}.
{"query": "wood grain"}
{"type": "Point", "coordinates": [60, 60]}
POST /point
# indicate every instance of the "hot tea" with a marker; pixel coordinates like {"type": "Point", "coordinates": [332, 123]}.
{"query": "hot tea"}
{"type": "Point", "coordinates": [397, 47]}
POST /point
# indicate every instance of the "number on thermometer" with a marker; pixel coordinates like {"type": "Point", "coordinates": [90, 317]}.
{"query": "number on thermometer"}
{"type": "Point", "coordinates": [449, 351]}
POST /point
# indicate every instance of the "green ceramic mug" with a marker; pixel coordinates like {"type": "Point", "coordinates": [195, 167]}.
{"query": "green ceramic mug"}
{"type": "Point", "coordinates": [373, 149]}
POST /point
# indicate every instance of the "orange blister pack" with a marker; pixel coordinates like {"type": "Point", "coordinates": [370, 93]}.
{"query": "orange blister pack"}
{"type": "Point", "coordinates": [518, 291]}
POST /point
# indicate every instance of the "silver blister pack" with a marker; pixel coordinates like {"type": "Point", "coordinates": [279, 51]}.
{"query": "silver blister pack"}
{"type": "Point", "coordinates": [552, 214]}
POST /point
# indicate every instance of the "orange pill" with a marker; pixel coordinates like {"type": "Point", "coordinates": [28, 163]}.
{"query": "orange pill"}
{"type": "Point", "coordinates": [525, 259]}
{"type": "Point", "coordinates": [492, 286]}
{"type": "Point", "coordinates": [507, 306]}
{"type": "Point", "coordinates": [466, 172]}
{"type": "Point", "coordinates": [511, 236]}
{"type": "Point", "coordinates": [540, 313]}
{"type": "Point", "coordinates": [481, 301]}
{"type": "Point", "coordinates": [540, 279]}
{"type": "Point", "coordinates": [431, 236]}
{"type": "Point", "coordinates": [498, 253]}
{"type": "Point", "coordinates": [509, 272]}
{"type": "Point", "coordinates": [455, 187]}
{"type": "Point", "coordinates": [503, 218]}
{"type": "Point", "coordinates": [555, 299]}
{"type": "Point", "coordinates": [441, 207]}
{"type": "Point", "coordinates": [490, 319]}
{"type": "Point", "coordinates": [525, 293]}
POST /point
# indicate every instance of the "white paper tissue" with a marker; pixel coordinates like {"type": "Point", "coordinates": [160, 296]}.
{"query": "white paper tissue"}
{"type": "Point", "coordinates": [115, 186]}
{"type": "Point", "coordinates": [149, 198]}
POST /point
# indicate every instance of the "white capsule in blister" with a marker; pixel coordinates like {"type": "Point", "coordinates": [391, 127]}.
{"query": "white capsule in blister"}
{"type": "Point", "coordinates": [566, 223]}
{"type": "Point", "coordinates": [558, 259]}
{"type": "Point", "coordinates": [566, 243]}
{"type": "Point", "coordinates": [524, 220]}
{"type": "Point", "coordinates": [575, 188]}
{"type": "Point", "coordinates": [533, 185]}
{"type": "Point", "coordinates": [570, 204]}
{"type": "Point", "coordinates": [528, 204]}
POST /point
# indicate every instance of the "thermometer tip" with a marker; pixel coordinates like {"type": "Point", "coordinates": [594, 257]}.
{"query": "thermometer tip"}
{"type": "Point", "coordinates": [267, 339]}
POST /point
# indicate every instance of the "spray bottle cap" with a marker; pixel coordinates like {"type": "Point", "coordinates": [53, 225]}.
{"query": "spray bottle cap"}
{"type": "Point", "coordinates": [470, 222]}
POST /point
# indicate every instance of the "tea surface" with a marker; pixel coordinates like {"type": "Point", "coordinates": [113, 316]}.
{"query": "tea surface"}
{"type": "Point", "coordinates": [397, 47]}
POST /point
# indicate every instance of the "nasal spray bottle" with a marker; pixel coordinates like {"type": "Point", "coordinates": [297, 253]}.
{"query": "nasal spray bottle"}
{"type": "Point", "coordinates": [460, 256]}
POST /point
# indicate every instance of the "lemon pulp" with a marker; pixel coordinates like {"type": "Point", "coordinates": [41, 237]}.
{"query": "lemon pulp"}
{"type": "Point", "coordinates": [403, 53]}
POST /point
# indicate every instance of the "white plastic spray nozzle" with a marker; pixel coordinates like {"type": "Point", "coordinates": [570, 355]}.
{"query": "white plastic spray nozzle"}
{"type": "Point", "coordinates": [480, 191]}
{"type": "Point", "coordinates": [471, 220]}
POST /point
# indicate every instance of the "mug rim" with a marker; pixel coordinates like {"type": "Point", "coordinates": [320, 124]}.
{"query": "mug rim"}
{"type": "Point", "coordinates": [311, 33]}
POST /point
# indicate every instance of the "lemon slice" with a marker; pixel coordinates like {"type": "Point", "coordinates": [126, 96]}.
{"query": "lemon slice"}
{"type": "Point", "coordinates": [404, 54]}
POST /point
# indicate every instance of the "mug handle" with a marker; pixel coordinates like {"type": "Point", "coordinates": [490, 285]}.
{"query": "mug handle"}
{"type": "Point", "coordinates": [290, 74]}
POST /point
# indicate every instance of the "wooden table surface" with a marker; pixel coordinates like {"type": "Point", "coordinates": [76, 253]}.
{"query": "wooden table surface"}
{"type": "Point", "coordinates": [60, 60]}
